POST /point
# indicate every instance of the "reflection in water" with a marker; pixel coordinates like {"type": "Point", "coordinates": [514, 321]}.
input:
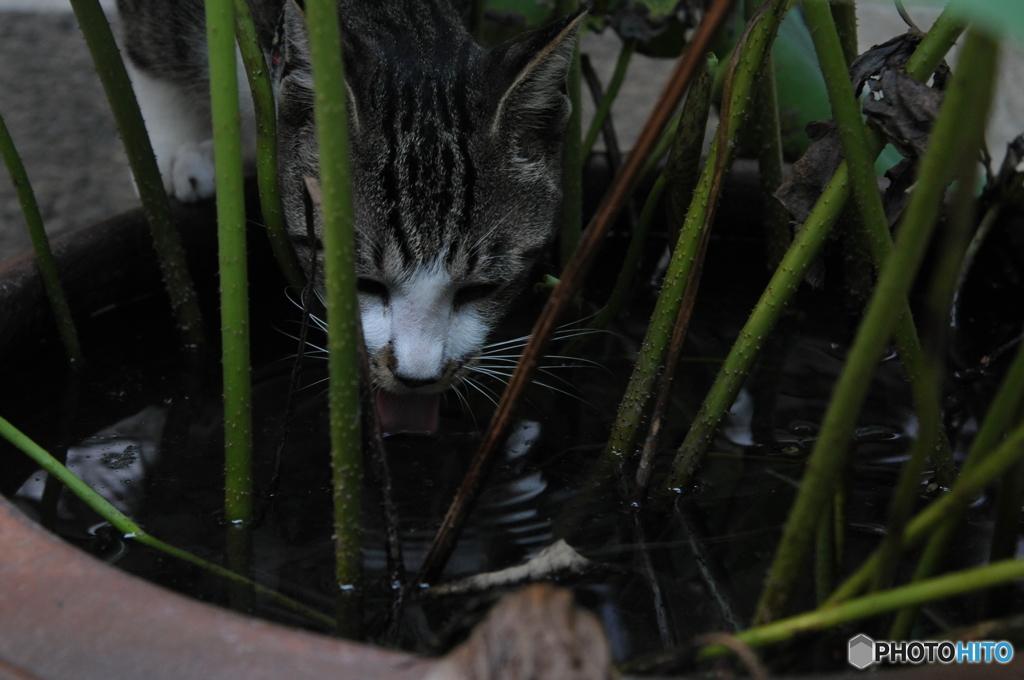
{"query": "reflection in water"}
{"type": "Point", "coordinates": [113, 462]}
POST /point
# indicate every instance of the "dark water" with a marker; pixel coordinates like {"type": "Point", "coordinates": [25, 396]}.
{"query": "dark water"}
{"type": "Point", "coordinates": [655, 582]}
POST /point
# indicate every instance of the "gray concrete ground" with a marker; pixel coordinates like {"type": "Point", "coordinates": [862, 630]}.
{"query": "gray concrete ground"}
{"type": "Point", "coordinates": [57, 114]}
{"type": "Point", "coordinates": [55, 109]}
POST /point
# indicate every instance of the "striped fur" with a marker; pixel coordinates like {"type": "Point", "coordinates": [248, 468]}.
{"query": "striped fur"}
{"type": "Point", "coordinates": [456, 161]}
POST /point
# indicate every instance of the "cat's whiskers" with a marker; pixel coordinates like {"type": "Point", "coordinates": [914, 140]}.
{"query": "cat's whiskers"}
{"type": "Point", "coordinates": [480, 388]}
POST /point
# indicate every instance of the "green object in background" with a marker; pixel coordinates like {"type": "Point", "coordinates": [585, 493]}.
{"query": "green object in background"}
{"type": "Point", "coordinates": [800, 85]}
{"type": "Point", "coordinates": [534, 11]}
{"type": "Point", "coordinates": [887, 159]}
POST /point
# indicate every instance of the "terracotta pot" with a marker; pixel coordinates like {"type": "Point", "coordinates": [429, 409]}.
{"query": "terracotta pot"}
{"type": "Point", "coordinates": [64, 614]}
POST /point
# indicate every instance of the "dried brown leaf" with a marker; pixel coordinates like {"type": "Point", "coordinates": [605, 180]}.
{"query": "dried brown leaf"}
{"type": "Point", "coordinates": [537, 633]}
{"type": "Point", "coordinates": [903, 109]}
{"type": "Point", "coordinates": [812, 173]}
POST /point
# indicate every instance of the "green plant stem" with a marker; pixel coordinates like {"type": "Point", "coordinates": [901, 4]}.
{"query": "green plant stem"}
{"type": "Point", "coordinates": [681, 174]}
{"type": "Point", "coordinates": [572, 154]}
{"type": "Point", "coordinates": [954, 244]}
{"type": "Point", "coordinates": [166, 240]}
{"type": "Point", "coordinates": [825, 555]}
{"type": "Point", "coordinates": [958, 126]}
{"type": "Point", "coordinates": [612, 91]}
{"type": "Point", "coordinates": [342, 308]}
{"type": "Point", "coordinates": [783, 285]}
{"type": "Point", "coordinates": [765, 135]}
{"type": "Point", "coordinates": [844, 12]}
{"type": "Point", "coordinates": [785, 281]}
{"type": "Point", "coordinates": [860, 148]}
{"type": "Point", "coordinates": [266, 144]}
{"type": "Point", "coordinates": [746, 64]}
{"type": "Point", "coordinates": [1003, 413]}
{"type": "Point", "coordinates": [769, 160]}
{"type": "Point", "coordinates": [942, 514]}
{"type": "Point", "coordinates": [682, 170]}
{"type": "Point", "coordinates": [1005, 533]}
{"type": "Point", "coordinates": [661, 148]}
{"type": "Point", "coordinates": [931, 590]}
{"type": "Point", "coordinates": [41, 246]}
{"type": "Point", "coordinates": [130, 529]}
{"type": "Point", "coordinates": [636, 248]}
{"type": "Point", "coordinates": [860, 151]}
{"type": "Point", "coordinates": [234, 288]}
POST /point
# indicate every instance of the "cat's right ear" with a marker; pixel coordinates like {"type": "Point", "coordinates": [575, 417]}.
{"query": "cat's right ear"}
{"type": "Point", "coordinates": [533, 74]}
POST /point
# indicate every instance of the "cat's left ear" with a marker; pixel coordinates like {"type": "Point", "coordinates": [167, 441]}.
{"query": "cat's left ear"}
{"type": "Point", "coordinates": [533, 73]}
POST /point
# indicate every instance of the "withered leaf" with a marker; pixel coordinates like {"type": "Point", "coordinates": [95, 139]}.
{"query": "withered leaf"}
{"type": "Point", "coordinates": [903, 109]}
{"type": "Point", "coordinates": [534, 634]}
{"type": "Point", "coordinates": [633, 20]}
{"type": "Point", "coordinates": [812, 173]}
{"type": "Point", "coordinates": [892, 54]}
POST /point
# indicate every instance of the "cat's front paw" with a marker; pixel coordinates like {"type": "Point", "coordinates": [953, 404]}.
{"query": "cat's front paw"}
{"type": "Point", "coordinates": [190, 175]}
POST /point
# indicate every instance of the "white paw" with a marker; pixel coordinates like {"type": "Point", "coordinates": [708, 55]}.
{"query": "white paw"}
{"type": "Point", "coordinates": [191, 174]}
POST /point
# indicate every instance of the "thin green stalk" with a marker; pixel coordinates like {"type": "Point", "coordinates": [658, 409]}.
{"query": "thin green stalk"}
{"type": "Point", "coordinates": [839, 519]}
{"type": "Point", "coordinates": [572, 154]}
{"type": "Point", "coordinates": [765, 133]}
{"type": "Point", "coordinates": [955, 136]}
{"type": "Point", "coordinates": [778, 233]}
{"type": "Point", "coordinates": [234, 287]}
{"type": "Point", "coordinates": [844, 12]}
{"type": "Point", "coordinates": [860, 151]}
{"type": "Point", "coordinates": [266, 144]}
{"type": "Point", "coordinates": [636, 248]}
{"type": "Point", "coordinates": [166, 240]}
{"type": "Point", "coordinates": [1002, 414]}
{"type": "Point", "coordinates": [780, 290]}
{"type": "Point", "coordinates": [744, 69]}
{"type": "Point", "coordinates": [860, 148]}
{"type": "Point", "coordinates": [991, 215]}
{"type": "Point", "coordinates": [824, 555]}
{"type": "Point", "coordinates": [661, 148]}
{"type": "Point", "coordinates": [944, 511]}
{"type": "Point", "coordinates": [1006, 532]}
{"type": "Point", "coordinates": [601, 115]}
{"type": "Point", "coordinates": [342, 308]}
{"type": "Point", "coordinates": [680, 174]}
{"type": "Point", "coordinates": [682, 170]}
{"type": "Point", "coordinates": [955, 242]}
{"type": "Point", "coordinates": [846, 111]}
{"type": "Point", "coordinates": [41, 246]}
{"type": "Point", "coordinates": [784, 283]}
{"type": "Point", "coordinates": [130, 529]}
{"type": "Point", "coordinates": [914, 594]}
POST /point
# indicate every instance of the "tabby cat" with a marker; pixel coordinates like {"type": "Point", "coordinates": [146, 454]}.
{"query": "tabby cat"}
{"type": "Point", "coordinates": [456, 155]}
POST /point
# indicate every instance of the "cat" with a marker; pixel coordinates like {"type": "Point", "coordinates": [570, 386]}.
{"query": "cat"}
{"type": "Point", "coordinates": [456, 164]}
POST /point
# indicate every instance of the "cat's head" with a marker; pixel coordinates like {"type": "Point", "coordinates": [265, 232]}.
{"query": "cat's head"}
{"type": "Point", "coordinates": [456, 162]}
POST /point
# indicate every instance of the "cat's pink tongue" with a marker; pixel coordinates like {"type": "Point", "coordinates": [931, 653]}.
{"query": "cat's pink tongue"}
{"type": "Point", "coordinates": [408, 413]}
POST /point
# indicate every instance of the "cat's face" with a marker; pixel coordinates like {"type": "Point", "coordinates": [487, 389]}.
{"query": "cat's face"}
{"type": "Point", "coordinates": [456, 175]}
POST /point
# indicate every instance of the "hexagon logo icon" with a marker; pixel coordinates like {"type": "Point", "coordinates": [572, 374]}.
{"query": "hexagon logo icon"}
{"type": "Point", "coordinates": [861, 652]}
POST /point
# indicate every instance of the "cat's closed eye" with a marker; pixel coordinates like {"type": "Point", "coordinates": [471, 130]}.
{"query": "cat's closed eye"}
{"type": "Point", "coordinates": [374, 288]}
{"type": "Point", "coordinates": [474, 293]}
